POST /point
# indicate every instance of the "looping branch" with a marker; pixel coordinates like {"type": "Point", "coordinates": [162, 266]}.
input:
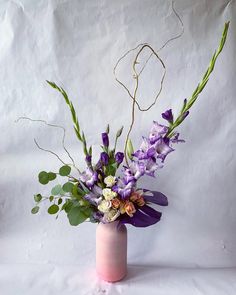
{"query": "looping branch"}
{"type": "Point", "coordinates": [63, 139]}
{"type": "Point", "coordinates": [133, 96]}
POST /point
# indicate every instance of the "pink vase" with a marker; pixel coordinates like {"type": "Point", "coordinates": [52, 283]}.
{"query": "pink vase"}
{"type": "Point", "coordinates": [111, 251]}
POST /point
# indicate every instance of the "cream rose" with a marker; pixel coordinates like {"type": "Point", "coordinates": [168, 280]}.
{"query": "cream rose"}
{"type": "Point", "coordinates": [110, 181]}
{"type": "Point", "coordinates": [104, 206]}
{"type": "Point", "coordinates": [111, 215]}
{"type": "Point", "coordinates": [108, 194]}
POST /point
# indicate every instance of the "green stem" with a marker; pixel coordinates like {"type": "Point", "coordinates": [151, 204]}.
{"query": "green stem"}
{"type": "Point", "coordinates": [187, 105]}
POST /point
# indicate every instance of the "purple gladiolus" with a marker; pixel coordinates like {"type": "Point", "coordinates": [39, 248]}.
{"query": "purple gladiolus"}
{"type": "Point", "coordinates": [88, 159]}
{"type": "Point", "coordinates": [167, 115]}
{"type": "Point", "coordinates": [163, 149]}
{"type": "Point", "coordinates": [105, 139]}
{"type": "Point", "coordinates": [104, 158]}
{"type": "Point", "coordinates": [185, 114]}
{"type": "Point", "coordinates": [89, 177]}
{"type": "Point", "coordinates": [119, 157]}
{"type": "Point", "coordinates": [93, 198]}
{"type": "Point", "coordinates": [157, 131]}
{"type": "Point", "coordinates": [145, 151]}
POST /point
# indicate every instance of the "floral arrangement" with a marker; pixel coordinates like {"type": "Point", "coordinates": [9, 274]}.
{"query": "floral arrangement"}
{"type": "Point", "coordinates": [108, 189]}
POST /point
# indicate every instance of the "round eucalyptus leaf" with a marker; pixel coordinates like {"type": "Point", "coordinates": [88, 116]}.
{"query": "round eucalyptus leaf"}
{"type": "Point", "coordinates": [53, 209]}
{"type": "Point", "coordinates": [35, 210]}
{"type": "Point", "coordinates": [37, 198]}
{"type": "Point", "coordinates": [57, 190]}
{"type": "Point", "coordinates": [68, 187]}
{"type": "Point", "coordinates": [43, 177]}
{"type": "Point", "coordinates": [51, 176]}
{"type": "Point", "coordinates": [51, 198]}
{"type": "Point", "coordinates": [65, 170]}
{"type": "Point", "coordinates": [77, 215]}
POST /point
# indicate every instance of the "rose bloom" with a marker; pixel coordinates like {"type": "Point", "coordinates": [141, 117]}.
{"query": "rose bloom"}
{"type": "Point", "coordinates": [129, 208]}
{"type": "Point", "coordinates": [134, 196]}
{"type": "Point", "coordinates": [140, 202]}
{"type": "Point", "coordinates": [111, 215]}
{"type": "Point", "coordinates": [104, 206]}
{"type": "Point", "coordinates": [137, 198]}
{"type": "Point", "coordinates": [108, 194]}
{"type": "Point", "coordinates": [122, 207]}
{"type": "Point", "coordinates": [110, 181]}
{"type": "Point", "coordinates": [115, 203]}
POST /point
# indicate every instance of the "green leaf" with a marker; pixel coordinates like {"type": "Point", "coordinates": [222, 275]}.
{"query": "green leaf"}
{"type": "Point", "coordinates": [43, 177]}
{"type": "Point", "coordinates": [130, 149]}
{"type": "Point", "coordinates": [59, 201]}
{"type": "Point", "coordinates": [51, 198]}
{"type": "Point", "coordinates": [37, 198]}
{"type": "Point", "coordinates": [57, 190]}
{"type": "Point", "coordinates": [68, 187]}
{"type": "Point", "coordinates": [53, 209]}
{"type": "Point", "coordinates": [35, 210]}
{"type": "Point", "coordinates": [51, 176]}
{"type": "Point", "coordinates": [77, 215]}
{"type": "Point", "coordinates": [65, 170]}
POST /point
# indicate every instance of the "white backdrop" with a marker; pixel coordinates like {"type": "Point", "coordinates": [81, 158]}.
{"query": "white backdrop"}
{"type": "Point", "coordinates": [76, 44]}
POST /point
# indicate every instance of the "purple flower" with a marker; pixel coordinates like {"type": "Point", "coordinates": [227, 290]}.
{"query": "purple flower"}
{"type": "Point", "coordinates": [162, 148]}
{"type": "Point", "coordinates": [119, 157]}
{"type": "Point", "coordinates": [93, 198]}
{"type": "Point", "coordinates": [105, 139]}
{"type": "Point", "coordinates": [135, 170]}
{"type": "Point", "coordinates": [97, 216]}
{"type": "Point", "coordinates": [88, 159]}
{"type": "Point", "coordinates": [104, 158]}
{"type": "Point", "coordinates": [89, 177]}
{"type": "Point", "coordinates": [145, 151]}
{"type": "Point", "coordinates": [167, 115]}
{"type": "Point", "coordinates": [123, 189]}
{"type": "Point", "coordinates": [151, 166]}
{"type": "Point", "coordinates": [176, 139]}
{"type": "Point", "coordinates": [157, 131]}
{"type": "Point", "coordinates": [185, 114]}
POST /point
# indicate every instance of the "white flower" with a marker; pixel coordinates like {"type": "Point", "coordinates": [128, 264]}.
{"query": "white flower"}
{"type": "Point", "coordinates": [104, 206]}
{"type": "Point", "coordinates": [108, 194]}
{"type": "Point", "coordinates": [110, 180]}
{"type": "Point", "coordinates": [111, 215]}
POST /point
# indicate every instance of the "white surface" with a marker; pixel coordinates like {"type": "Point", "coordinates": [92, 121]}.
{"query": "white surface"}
{"type": "Point", "coordinates": [76, 43]}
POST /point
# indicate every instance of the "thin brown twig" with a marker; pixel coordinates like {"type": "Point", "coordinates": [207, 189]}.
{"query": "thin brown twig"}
{"type": "Point", "coordinates": [49, 151]}
{"type": "Point", "coordinates": [55, 126]}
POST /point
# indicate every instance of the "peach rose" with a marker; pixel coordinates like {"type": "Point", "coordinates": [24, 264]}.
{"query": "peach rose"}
{"type": "Point", "coordinates": [115, 203]}
{"type": "Point", "coordinates": [129, 208]}
{"type": "Point", "coordinates": [134, 197]}
{"type": "Point", "coordinates": [140, 202]}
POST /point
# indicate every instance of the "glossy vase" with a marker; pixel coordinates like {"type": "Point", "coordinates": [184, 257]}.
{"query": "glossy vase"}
{"type": "Point", "coordinates": [111, 251]}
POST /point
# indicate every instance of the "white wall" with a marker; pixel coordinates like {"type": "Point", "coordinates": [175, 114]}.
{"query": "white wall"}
{"type": "Point", "coordinates": [76, 43]}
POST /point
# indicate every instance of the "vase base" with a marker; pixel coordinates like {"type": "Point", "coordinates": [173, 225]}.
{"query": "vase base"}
{"type": "Point", "coordinates": [112, 279]}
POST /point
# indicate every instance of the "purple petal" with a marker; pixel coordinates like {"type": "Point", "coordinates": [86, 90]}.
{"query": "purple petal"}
{"type": "Point", "coordinates": [167, 115]}
{"type": "Point", "coordinates": [141, 219]}
{"type": "Point", "coordinates": [156, 198]}
{"type": "Point", "coordinates": [105, 139]}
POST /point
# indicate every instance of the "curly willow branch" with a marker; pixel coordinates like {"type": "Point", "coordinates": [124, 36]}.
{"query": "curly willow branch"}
{"type": "Point", "coordinates": [133, 96]}
{"type": "Point", "coordinates": [146, 62]}
{"type": "Point", "coordinates": [63, 138]}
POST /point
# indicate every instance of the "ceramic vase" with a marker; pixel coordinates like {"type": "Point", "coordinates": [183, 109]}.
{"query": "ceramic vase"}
{"type": "Point", "coordinates": [111, 251]}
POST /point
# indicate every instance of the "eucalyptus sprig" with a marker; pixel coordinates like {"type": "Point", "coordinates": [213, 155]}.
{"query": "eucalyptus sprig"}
{"type": "Point", "coordinates": [188, 103]}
